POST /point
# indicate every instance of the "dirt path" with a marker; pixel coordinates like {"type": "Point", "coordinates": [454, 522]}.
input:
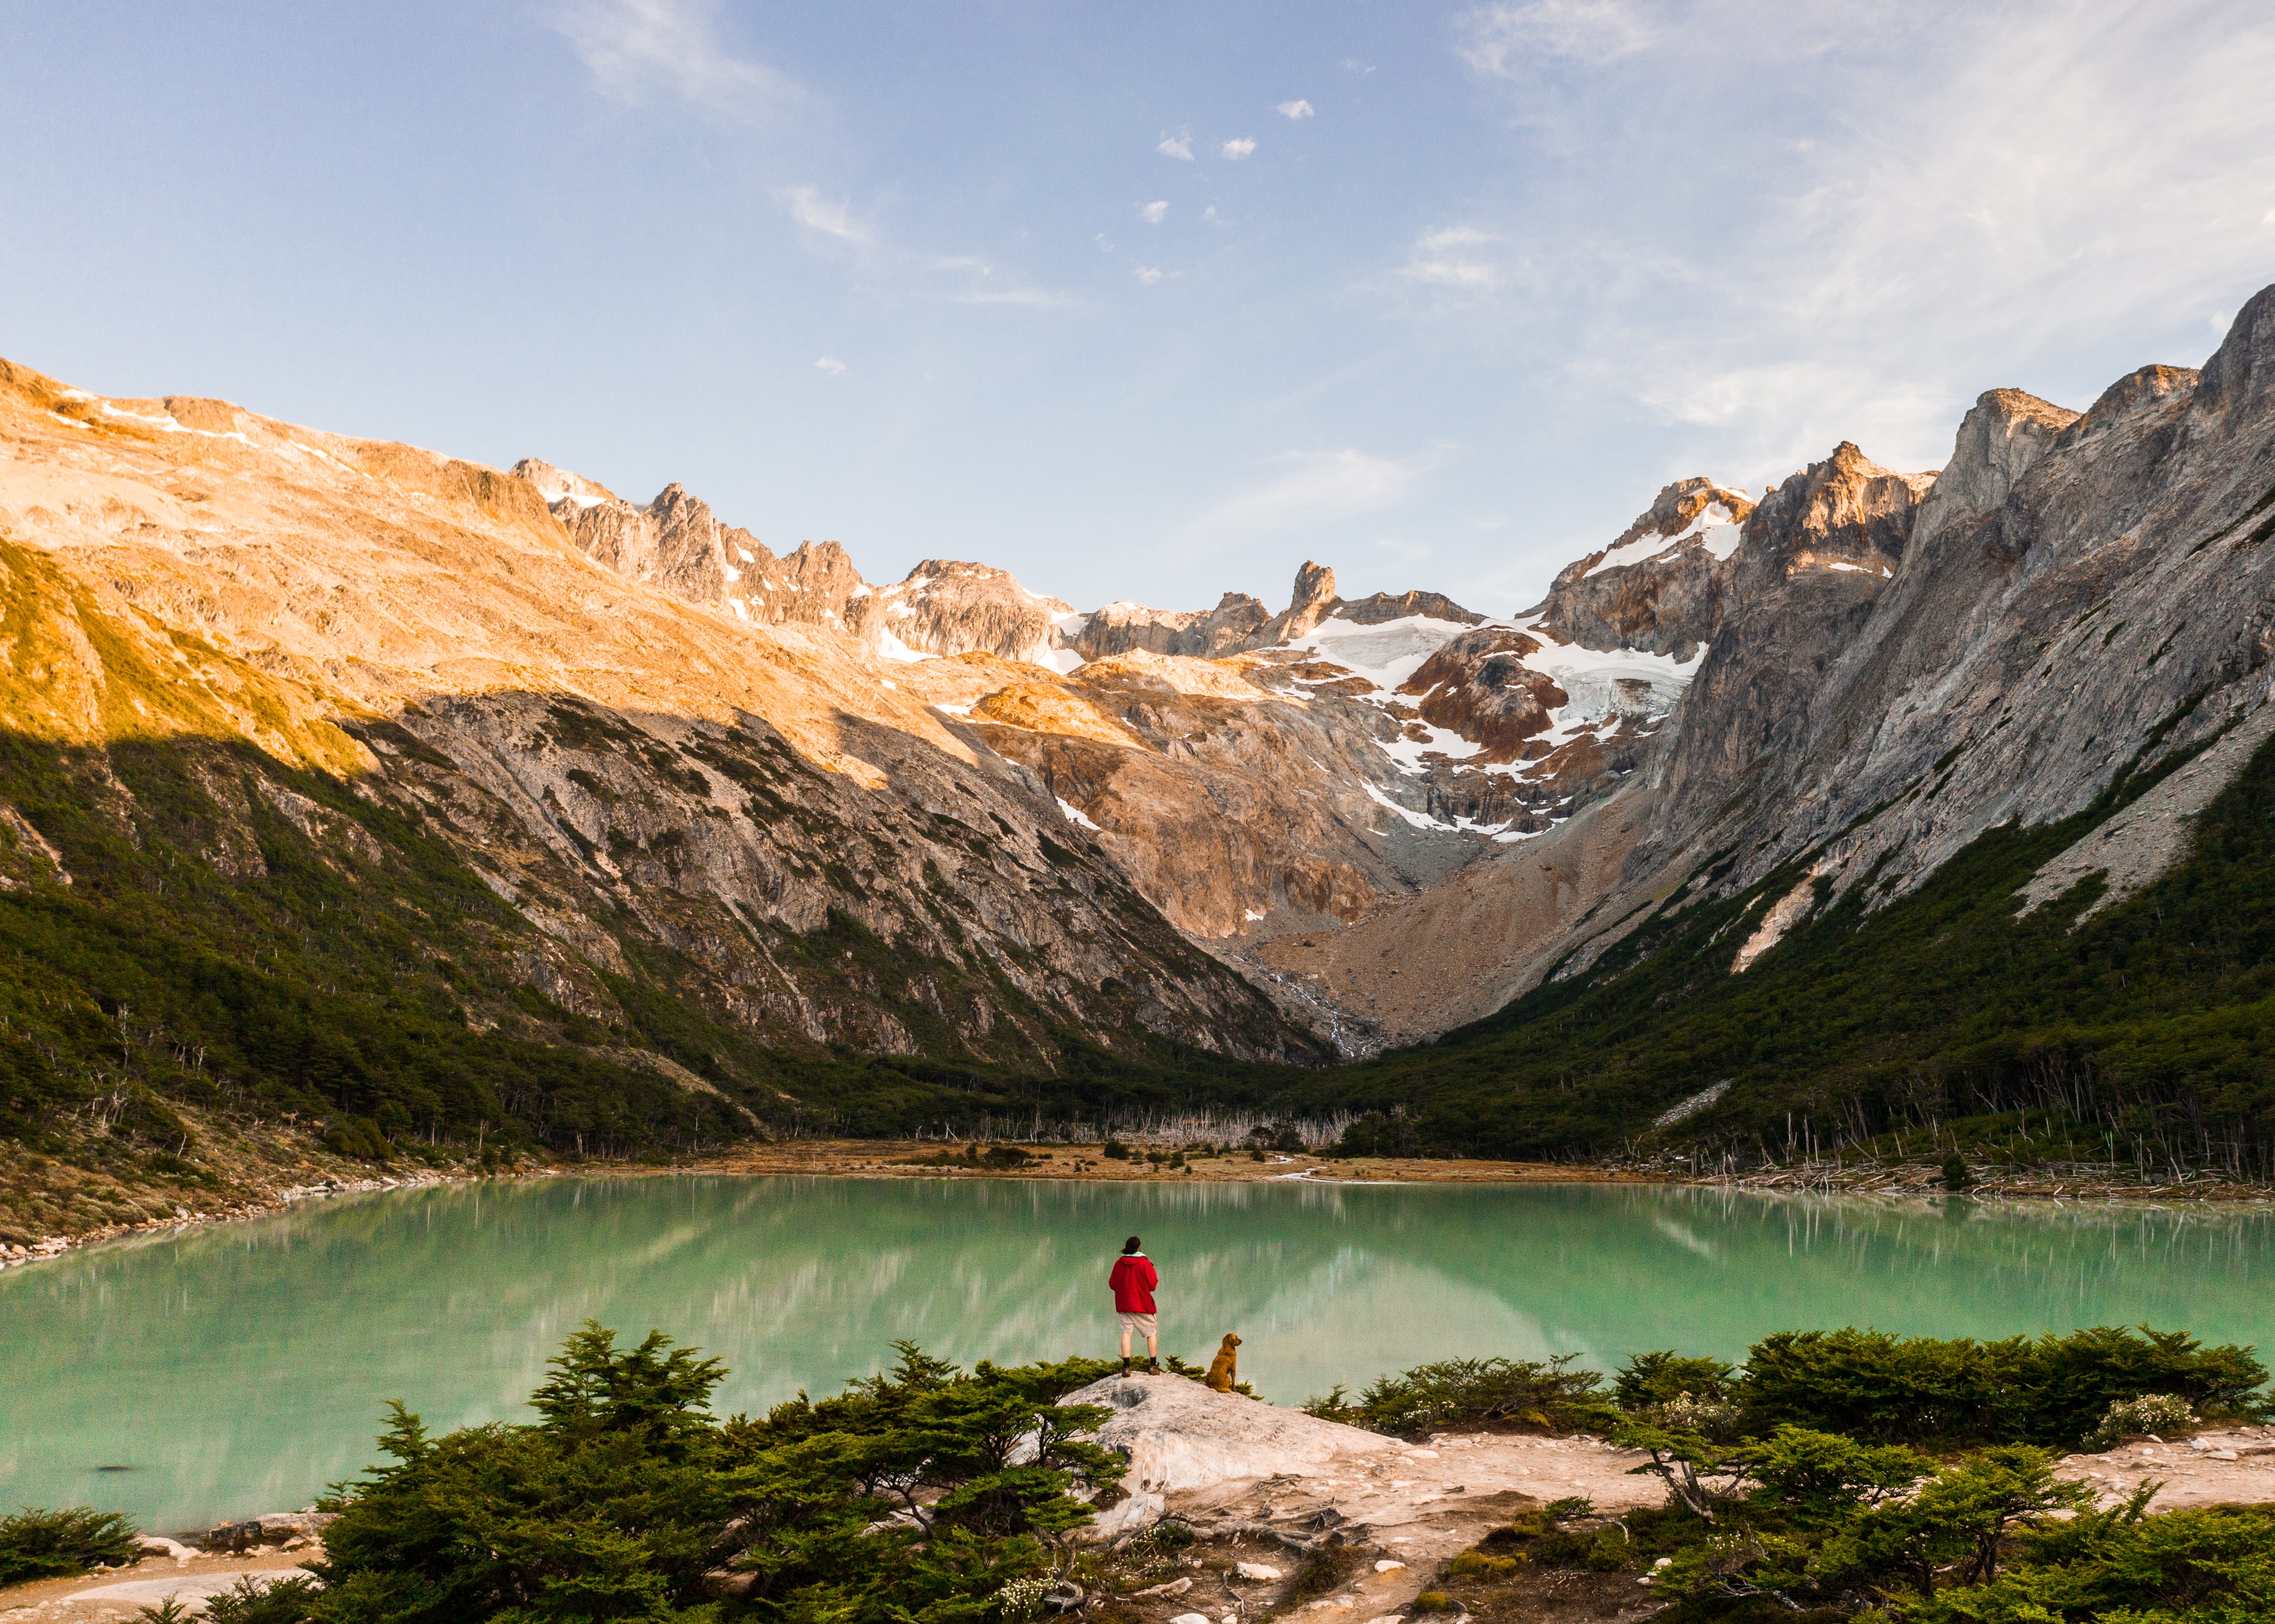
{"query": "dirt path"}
{"type": "Point", "coordinates": [122, 1592]}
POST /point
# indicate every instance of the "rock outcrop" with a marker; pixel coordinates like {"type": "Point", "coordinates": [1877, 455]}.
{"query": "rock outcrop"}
{"type": "Point", "coordinates": [1659, 586]}
{"type": "Point", "coordinates": [947, 608]}
{"type": "Point", "coordinates": [1225, 1461]}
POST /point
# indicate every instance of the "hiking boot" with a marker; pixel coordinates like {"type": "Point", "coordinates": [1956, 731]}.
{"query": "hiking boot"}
{"type": "Point", "coordinates": [1125, 1364]}
{"type": "Point", "coordinates": [1154, 1366]}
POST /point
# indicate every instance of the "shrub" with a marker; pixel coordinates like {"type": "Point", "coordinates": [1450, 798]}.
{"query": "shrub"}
{"type": "Point", "coordinates": [625, 1495]}
{"type": "Point", "coordinates": [1955, 1175]}
{"type": "Point", "coordinates": [1660, 1378]}
{"type": "Point", "coordinates": [1325, 1569]}
{"type": "Point", "coordinates": [1116, 1151]}
{"type": "Point", "coordinates": [1455, 1392]}
{"type": "Point", "coordinates": [1715, 1418]}
{"type": "Point", "coordinates": [287, 1601]}
{"type": "Point", "coordinates": [2052, 1390]}
{"type": "Point", "coordinates": [51, 1544]}
{"type": "Point", "coordinates": [2209, 1565]}
{"type": "Point", "coordinates": [2152, 1413]}
{"type": "Point", "coordinates": [358, 1137]}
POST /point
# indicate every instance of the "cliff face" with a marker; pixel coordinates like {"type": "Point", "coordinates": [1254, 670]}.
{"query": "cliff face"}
{"type": "Point", "coordinates": [1894, 665]}
{"type": "Point", "coordinates": [1390, 814]}
{"type": "Point", "coordinates": [744, 809]}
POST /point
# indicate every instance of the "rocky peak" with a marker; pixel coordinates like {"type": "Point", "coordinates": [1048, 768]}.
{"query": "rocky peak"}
{"type": "Point", "coordinates": [949, 607]}
{"type": "Point", "coordinates": [1658, 586]}
{"type": "Point", "coordinates": [1846, 514]}
{"type": "Point", "coordinates": [1686, 511]}
{"type": "Point", "coordinates": [675, 543]}
{"type": "Point", "coordinates": [557, 485]}
{"type": "Point", "coordinates": [2003, 434]}
{"type": "Point", "coordinates": [2146, 387]}
{"type": "Point", "coordinates": [814, 583]}
{"type": "Point", "coordinates": [1379, 607]}
{"type": "Point", "coordinates": [1817, 551]}
{"type": "Point", "coordinates": [2242, 372]}
{"type": "Point", "coordinates": [1313, 600]}
{"type": "Point", "coordinates": [1126, 628]}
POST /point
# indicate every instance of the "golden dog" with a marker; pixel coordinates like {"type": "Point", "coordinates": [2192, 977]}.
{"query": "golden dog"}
{"type": "Point", "coordinates": [1222, 1373]}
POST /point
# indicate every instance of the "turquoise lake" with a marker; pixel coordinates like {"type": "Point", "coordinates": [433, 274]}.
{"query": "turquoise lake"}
{"type": "Point", "coordinates": [239, 1369]}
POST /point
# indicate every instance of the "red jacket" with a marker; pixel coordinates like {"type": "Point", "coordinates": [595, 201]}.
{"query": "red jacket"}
{"type": "Point", "coordinates": [1133, 1281]}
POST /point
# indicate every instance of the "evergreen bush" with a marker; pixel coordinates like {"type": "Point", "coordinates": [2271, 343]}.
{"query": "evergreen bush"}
{"type": "Point", "coordinates": [1547, 1395]}
{"type": "Point", "coordinates": [2051, 1390]}
{"type": "Point", "coordinates": [50, 1544]}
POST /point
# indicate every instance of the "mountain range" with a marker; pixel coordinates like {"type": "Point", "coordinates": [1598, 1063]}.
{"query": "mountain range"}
{"type": "Point", "coordinates": [349, 781]}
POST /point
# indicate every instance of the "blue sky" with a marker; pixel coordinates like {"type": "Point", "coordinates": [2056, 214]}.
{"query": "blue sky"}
{"type": "Point", "coordinates": [1138, 301]}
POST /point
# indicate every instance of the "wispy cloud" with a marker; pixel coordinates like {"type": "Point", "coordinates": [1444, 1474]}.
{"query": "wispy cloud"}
{"type": "Point", "coordinates": [1454, 257]}
{"type": "Point", "coordinates": [1950, 182]}
{"type": "Point", "coordinates": [1297, 109]}
{"type": "Point", "coordinates": [1503, 39]}
{"type": "Point", "coordinates": [1176, 147]}
{"type": "Point", "coordinates": [638, 49]}
{"type": "Point", "coordinates": [830, 228]}
{"type": "Point", "coordinates": [1154, 212]}
{"type": "Point", "coordinates": [823, 217]}
{"type": "Point", "coordinates": [831, 365]}
{"type": "Point", "coordinates": [1238, 147]}
{"type": "Point", "coordinates": [1147, 274]}
{"type": "Point", "coordinates": [1322, 486]}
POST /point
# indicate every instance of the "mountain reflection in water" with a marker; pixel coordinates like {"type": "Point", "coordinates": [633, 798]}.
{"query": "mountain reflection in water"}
{"type": "Point", "coordinates": [240, 1368]}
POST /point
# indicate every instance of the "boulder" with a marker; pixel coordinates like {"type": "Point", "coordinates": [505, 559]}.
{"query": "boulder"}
{"type": "Point", "coordinates": [1132, 1515]}
{"type": "Point", "coordinates": [1179, 1436]}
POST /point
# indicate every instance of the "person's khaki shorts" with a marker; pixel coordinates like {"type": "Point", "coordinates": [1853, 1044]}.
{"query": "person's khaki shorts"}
{"type": "Point", "coordinates": [1145, 1324]}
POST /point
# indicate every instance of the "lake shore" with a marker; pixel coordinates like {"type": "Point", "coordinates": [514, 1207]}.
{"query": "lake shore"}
{"type": "Point", "coordinates": [931, 1158]}
{"type": "Point", "coordinates": [935, 1159]}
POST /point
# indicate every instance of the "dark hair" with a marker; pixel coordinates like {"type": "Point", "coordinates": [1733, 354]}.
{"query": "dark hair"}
{"type": "Point", "coordinates": [1128, 1246]}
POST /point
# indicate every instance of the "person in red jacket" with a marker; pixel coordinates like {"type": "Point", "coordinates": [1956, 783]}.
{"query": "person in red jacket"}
{"type": "Point", "coordinates": [1133, 1281]}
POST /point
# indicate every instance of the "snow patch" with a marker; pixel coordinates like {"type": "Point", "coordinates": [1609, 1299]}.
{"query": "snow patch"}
{"type": "Point", "coordinates": [1408, 753]}
{"type": "Point", "coordinates": [164, 423]}
{"type": "Point", "coordinates": [890, 647]}
{"type": "Point", "coordinates": [1385, 655]}
{"type": "Point", "coordinates": [1420, 821]}
{"type": "Point", "coordinates": [1074, 814]}
{"type": "Point", "coordinates": [1711, 517]}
